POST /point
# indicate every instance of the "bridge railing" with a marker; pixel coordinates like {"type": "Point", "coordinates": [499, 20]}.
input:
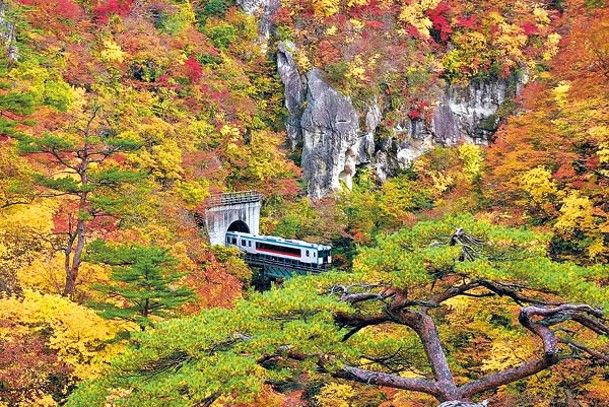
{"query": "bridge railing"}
{"type": "Point", "coordinates": [234, 198]}
{"type": "Point", "coordinates": [264, 260]}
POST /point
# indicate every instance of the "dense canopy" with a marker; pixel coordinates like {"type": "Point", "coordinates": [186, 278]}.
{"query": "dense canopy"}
{"type": "Point", "coordinates": [469, 266]}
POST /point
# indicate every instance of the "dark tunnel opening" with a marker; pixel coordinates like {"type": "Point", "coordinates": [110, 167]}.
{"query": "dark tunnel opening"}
{"type": "Point", "coordinates": [239, 226]}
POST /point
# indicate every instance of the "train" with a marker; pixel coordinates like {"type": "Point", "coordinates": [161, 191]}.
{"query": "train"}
{"type": "Point", "coordinates": [277, 249]}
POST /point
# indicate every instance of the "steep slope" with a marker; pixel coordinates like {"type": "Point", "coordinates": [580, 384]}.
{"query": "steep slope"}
{"type": "Point", "coordinates": [425, 72]}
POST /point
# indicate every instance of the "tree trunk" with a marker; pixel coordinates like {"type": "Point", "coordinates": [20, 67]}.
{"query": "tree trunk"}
{"type": "Point", "coordinates": [72, 273]}
{"type": "Point", "coordinates": [67, 264]}
{"type": "Point", "coordinates": [428, 333]}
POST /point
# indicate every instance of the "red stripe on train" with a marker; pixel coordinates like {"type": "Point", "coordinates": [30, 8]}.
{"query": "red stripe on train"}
{"type": "Point", "coordinates": [278, 252]}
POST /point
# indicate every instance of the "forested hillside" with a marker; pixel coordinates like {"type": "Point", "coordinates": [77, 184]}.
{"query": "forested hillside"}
{"type": "Point", "coordinates": [454, 154]}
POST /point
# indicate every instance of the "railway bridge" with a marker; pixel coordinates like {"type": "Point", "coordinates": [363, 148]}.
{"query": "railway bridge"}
{"type": "Point", "coordinates": [240, 212]}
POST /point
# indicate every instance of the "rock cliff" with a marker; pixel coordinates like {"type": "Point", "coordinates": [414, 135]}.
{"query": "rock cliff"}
{"type": "Point", "coordinates": [327, 126]}
{"type": "Point", "coordinates": [7, 35]}
{"type": "Point", "coordinates": [295, 91]}
{"type": "Point", "coordinates": [470, 113]}
{"type": "Point", "coordinates": [263, 10]}
{"type": "Point", "coordinates": [335, 138]}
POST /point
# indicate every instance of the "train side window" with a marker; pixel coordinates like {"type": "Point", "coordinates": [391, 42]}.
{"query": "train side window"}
{"type": "Point", "coordinates": [242, 242]}
{"type": "Point", "coordinates": [249, 243]}
{"type": "Point", "coordinates": [234, 240]}
{"type": "Point", "coordinates": [307, 253]}
{"type": "Point", "coordinates": [314, 254]}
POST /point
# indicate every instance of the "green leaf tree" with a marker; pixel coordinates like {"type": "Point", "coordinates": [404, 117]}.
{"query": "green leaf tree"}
{"type": "Point", "coordinates": [404, 318]}
{"type": "Point", "coordinates": [144, 283]}
{"type": "Point", "coordinates": [76, 169]}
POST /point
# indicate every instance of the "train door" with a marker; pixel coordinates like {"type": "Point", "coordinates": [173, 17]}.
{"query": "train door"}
{"type": "Point", "coordinates": [326, 256]}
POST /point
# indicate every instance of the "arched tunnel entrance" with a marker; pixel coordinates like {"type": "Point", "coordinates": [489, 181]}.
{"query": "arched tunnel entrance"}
{"type": "Point", "coordinates": [238, 226]}
{"type": "Point", "coordinates": [234, 212]}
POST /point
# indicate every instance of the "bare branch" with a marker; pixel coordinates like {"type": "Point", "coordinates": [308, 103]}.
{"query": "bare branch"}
{"type": "Point", "coordinates": [357, 322]}
{"type": "Point", "coordinates": [595, 354]}
{"type": "Point", "coordinates": [505, 377]}
{"type": "Point", "coordinates": [455, 291]}
{"type": "Point", "coordinates": [87, 130]}
{"type": "Point", "coordinates": [592, 324]}
{"type": "Point", "coordinates": [229, 341]}
{"type": "Point", "coordinates": [63, 162]}
{"type": "Point", "coordinates": [389, 380]}
{"type": "Point", "coordinates": [13, 203]}
{"type": "Point", "coordinates": [346, 295]}
{"type": "Point", "coordinates": [283, 352]}
{"type": "Point", "coordinates": [470, 246]}
{"type": "Point", "coordinates": [388, 362]}
{"type": "Point", "coordinates": [506, 290]}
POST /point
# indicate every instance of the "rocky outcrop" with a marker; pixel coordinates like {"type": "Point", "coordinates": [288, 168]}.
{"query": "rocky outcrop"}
{"type": "Point", "coordinates": [462, 114]}
{"type": "Point", "coordinates": [470, 113]}
{"type": "Point", "coordinates": [263, 10]}
{"type": "Point", "coordinates": [327, 126]}
{"type": "Point", "coordinates": [7, 35]}
{"type": "Point", "coordinates": [295, 91]}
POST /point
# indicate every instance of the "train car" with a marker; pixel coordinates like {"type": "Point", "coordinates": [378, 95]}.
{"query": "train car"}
{"type": "Point", "coordinates": [297, 251]}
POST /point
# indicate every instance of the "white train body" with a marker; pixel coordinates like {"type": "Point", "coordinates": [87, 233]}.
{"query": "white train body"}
{"type": "Point", "coordinates": [297, 250]}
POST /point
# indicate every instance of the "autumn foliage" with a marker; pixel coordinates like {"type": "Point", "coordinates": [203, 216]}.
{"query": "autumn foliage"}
{"type": "Point", "coordinates": [550, 160]}
{"type": "Point", "coordinates": [120, 118]}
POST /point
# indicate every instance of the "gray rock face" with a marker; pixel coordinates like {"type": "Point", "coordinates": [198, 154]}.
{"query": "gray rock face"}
{"type": "Point", "coordinates": [264, 11]}
{"type": "Point", "coordinates": [7, 35]}
{"type": "Point", "coordinates": [295, 91]}
{"type": "Point", "coordinates": [365, 142]}
{"type": "Point", "coordinates": [253, 7]}
{"type": "Point", "coordinates": [470, 113]}
{"type": "Point", "coordinates": [327, 126]}
{"type": "Point", "coordinates": [462, 114]}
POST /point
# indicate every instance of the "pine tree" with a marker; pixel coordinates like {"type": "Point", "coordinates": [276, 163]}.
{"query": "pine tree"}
{"type": "Point", "coordinates": [144, 282]}
{"type": "Point", "coordinates": [81, 174]}
{"type": "Point", "coordinates": [456, 308]}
